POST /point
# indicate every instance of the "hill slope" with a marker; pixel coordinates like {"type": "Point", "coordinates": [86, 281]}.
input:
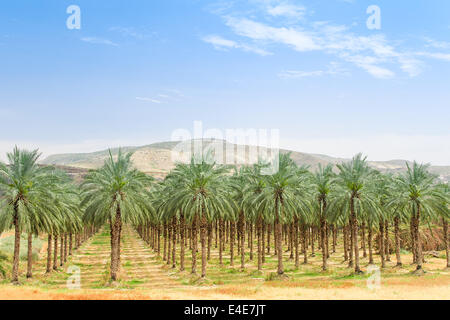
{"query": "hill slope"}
{"type": "Point", "coordinates": [157, 158]}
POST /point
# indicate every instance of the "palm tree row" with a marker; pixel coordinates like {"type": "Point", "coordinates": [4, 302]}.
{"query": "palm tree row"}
{"type": "Point", "coordinates": [202, 202]}
{"type": "Point", "coordinates": [36, 200]}
{"type": "Point", "coordinates": [294, 204]}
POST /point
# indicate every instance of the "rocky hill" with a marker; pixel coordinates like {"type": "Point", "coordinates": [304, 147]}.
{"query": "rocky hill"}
{"type": "Point", "coordinates": [158, 159]}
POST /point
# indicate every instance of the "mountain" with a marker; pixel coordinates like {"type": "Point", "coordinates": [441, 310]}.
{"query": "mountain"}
{"type": "Point", "coordinates": [157, 159]}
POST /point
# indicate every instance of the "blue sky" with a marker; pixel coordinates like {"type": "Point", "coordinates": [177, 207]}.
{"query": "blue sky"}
{"type": "Point", "coordinates": [138, 70]}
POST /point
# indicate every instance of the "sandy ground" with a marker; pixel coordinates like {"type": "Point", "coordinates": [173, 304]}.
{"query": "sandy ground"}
{"type": "Point", "coordinates": [415, 289]}
{"type": "Point", "coordinates": [157, 281]}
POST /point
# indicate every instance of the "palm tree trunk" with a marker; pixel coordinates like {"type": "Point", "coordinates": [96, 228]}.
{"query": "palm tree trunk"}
{"type": "Point", "coordinates": [386, 235]}
{"type": "Point", "coordinates": [278, 237]}
{"type": "Point", "coordinates": [327, 231]}
{"type": "Point", "coordinates": [413, 237]}
{"type": "Point", "coordinates": [70, 243]}
{"type": "Point", "coordinates": [65, 247]}
{"type": "Point", "coordinates": [333, 227]}
{"type": "Point", "coordinates": [345, 238]}
{"type": "Point", "coordinates": [165, 241]}
{"type": "Point", "coordinates": [174, 241]}
{"type": "Point", "coordinates": [30, 256]}
{"type": "Point", "coordinates": [16, 256]}
{"type": "Point", "coordinates": [313, 253]}
{"type": "Point", "coordinates": [61, 251]}
{"type": "Point", "coordinates": [194, 244]}
{"type": "Point", "coordinates": [323, 231]}
{"type": "Point", "coordinates": [210, 236]}
{"type": "Point", "coordinates": [355, 237]}
{"type": "Point", "coordinates": [363, 239]}
{"type": "Point", "coordinates": [397, 240]}
{"type": "Point", "coordinates": [418, 240]}
{"type": "Point", "coordinates": [242, 238]}
{"type": "Point", "coordinates": [297, 263]}
{"type": "Point", "coordinates": [169, 242]}
{"type": "Point", "coordinates": [260, 243]}
{"type": "Point", "coordinates": [263, 242]}
{"type": "Point", "coordinates": [291, 240]}
{"type": "Point", "coordinates": [232, 236]}
{"type": "Point", "coordinates": [382, 251]}
{"type": "Point", "coordinates": [55, 253]}
{"type": "Point", "coordinates": [216, 233]}
{"type": "Point", "coordinates": [269, 231]}
{"type": "Point", "coordinates": [203, 235]}
{"type": "Point", "coordinates": [350, 246]}
{"type": "Point", "coordinates": [115, 250]}
{"type": "Point", "coordinates": [250, 240]}
{"type": "Point", "coordinates": [305, 245]}
{"type": "Point", "coordinates": [182, 241]}
{"type": "Point", "coordinates": [221, 240]}
{"type": "Point", "coordinates": [369, 242]}
{"type": "Point", "coordinates": [49, 253]}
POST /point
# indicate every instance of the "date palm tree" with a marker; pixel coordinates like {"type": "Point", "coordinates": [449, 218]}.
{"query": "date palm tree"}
{"type": "Point", "coordinates": [278, 199]}
{"type": "Point", "coordinates": [422, 199]}
{"type": "Point", "coordinates": [322, 181]}
{"type": "Point", "coordinates": [26, 189]}
{"type": "Point", "coordinates": [115, 193]}
{"type": "Point", "coordinates": [201, 193]}
{"type": "Point", "coordinates": [353, 195]}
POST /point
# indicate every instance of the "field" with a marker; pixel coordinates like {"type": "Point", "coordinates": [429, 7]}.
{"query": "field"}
{"type": "Point", "coordinates": [144, 275]}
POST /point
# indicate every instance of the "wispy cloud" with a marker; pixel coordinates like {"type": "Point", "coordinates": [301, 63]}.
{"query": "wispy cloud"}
{"type": "Point", "coordinates": [166, 96]}
{"type": "Point", "coordinates": [375, 54]}
{"type": "Point", "coordinates": [96, 40]}
{"type": "Point", "coordinates": [149, 100]}
{"type": "Point", "coordinates": [286, 10]}
{"type": "Point", "coordinates": [437, 44]}
{"type": "Point", "coordinates": [333, 69]}
{"type": "Point", "coordinates": [435, 55]}
{"type": "Point", "coordinates": [220, 43]}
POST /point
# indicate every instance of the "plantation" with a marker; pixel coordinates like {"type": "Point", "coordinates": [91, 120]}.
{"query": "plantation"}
{"type": "Point", "coordinates": [216, 231]}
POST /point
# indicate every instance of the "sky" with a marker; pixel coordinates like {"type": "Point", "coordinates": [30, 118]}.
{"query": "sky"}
{"type": "Point", "coordinates": [317, 71]}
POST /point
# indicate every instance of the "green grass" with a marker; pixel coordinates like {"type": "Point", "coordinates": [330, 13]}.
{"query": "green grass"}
{"type": "Point", "coordinates": [7, 246]}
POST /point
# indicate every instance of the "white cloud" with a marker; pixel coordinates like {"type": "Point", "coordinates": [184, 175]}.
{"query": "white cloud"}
{"type": "Point", "coordinates": [286, 10]}
{"type": "Point", "coordinates": [437, 44]}
{"type": "Point", "coordinates": [96, 40]}
{"type": "Point", "coordinates": [374, 54]}
{"type": "Point", "coordinates": [334, 68]}
{"type": "Point", "coordinates": [292, 74]}
{"type": "Point", "coordinates": [149, 100]}
{"type": "Point", "coordinates": [220, 43]}
{"type": "Point", "coordinates": [439, 56]}
{"type": "Point", "coordinates": [298, 39]}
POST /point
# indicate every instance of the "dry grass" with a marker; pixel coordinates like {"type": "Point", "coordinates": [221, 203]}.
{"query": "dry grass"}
{"type": "Point", "coordinates": [145, 276]}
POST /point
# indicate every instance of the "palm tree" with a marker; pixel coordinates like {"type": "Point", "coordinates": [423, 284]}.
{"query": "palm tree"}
{"type": "Point", "coordinates": [322, 181]}
{"type": "Point", "coordinates": [279, 199]}
{"type": "Point", "coordinates": [27, 192]}
{"type": "Point", "coordinates": [353, 195]}
{"type": "Point", "coordinates": [201, 193]}
{"type": "Point", "coordinates": [115, 193]}
{"type": "Point", "coordinates": [418, 196]}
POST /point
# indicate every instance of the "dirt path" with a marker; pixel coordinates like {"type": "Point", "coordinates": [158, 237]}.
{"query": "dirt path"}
{"type": "Point", "coordinates": [140, 267]}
